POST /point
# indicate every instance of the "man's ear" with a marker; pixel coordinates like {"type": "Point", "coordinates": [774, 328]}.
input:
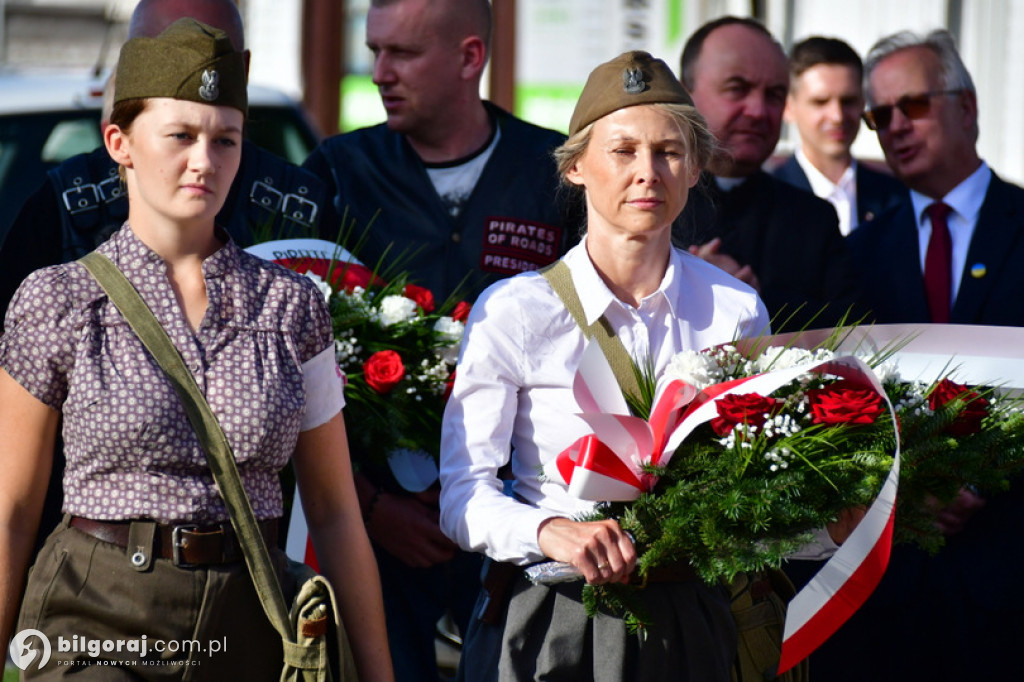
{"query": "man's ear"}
{"type": "Point", "coordinates": [118, 145]}
{"type": "Point", "coordinates": [474, 56]}
{"type": "Point", "coordinates": [969, 103]}
{"type": "Point", "coordinates": [787, 113]}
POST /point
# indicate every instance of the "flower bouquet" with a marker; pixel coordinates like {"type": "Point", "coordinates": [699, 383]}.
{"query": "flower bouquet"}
{"type": "Point", "coordinates": [397, 349]}
{"type": "Point", "coordinates": [739, 453]}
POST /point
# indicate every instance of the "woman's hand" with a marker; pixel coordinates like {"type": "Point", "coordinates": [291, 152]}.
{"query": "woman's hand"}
{"type": "Point", "coordinates": [601, 550]}
{"type": "Point", "coordinates": [841, 529]}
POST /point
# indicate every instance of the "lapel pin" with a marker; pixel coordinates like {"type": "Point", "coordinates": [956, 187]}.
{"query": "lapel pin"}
{"type": "Point", "coordinates": [978, 270]}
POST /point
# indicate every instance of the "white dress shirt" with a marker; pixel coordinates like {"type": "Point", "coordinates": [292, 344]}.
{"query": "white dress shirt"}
{"type": "Point", "coordinates": [842, 195]}
{"type": "Point", "coordinates": [965, 199]}
{"type": "Point", "coordinates": [513, 400]}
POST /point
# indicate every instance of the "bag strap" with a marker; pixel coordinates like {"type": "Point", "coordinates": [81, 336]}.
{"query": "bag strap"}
{"type": "Point", "coordinates": [558, 275]}
{"type": "Point", "coordinates": [218, 451]}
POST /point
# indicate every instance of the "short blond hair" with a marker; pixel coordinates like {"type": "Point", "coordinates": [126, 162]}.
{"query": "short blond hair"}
{"type": "Point", "coordinates": [701, 145]}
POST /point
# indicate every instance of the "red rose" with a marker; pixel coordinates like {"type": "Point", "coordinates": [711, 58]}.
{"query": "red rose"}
{"type": "Point", "coordinates": [975, 407]}
{"type": "Point", "coordinates": [383, 370]}
{"type": "Point", "coordinates": [461, 311]}
{"type": "Point", "coordinates": [745, 408]}
{"type": "Point", "coordinates": [423, 297]}
{"type": "Point", "coordinates": [845, 402]}
{"type": "Point", "coordinates": [348, 276]}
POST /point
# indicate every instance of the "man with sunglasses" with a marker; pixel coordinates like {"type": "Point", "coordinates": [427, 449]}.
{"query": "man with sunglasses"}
{"type": "Point", "coordinates": [825, 103]}
{"type": "Point", "coordinates": [783, 241]}
{"type": "Point", "coordinates": [952, 254]}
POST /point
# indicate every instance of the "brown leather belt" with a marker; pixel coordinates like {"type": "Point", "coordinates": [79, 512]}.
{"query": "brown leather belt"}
{"type": "Point", "coordinates": [187, 545]}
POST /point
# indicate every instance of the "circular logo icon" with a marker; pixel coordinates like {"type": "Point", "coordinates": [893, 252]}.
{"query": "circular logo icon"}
{"type": "Point", "coordinates": [23, 653]}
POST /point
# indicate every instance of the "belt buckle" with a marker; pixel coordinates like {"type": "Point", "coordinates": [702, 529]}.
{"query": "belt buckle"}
{"type": "Point", "coordinates": [176, 546]}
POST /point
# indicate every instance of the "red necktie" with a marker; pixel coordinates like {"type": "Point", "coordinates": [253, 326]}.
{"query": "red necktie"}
{"type": "Point", "coordinates": [938, 266]}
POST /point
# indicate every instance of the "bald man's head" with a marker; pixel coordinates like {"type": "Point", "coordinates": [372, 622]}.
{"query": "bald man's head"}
{"type": "Point", "coordinates": [455, 18]}
{"type": "Point", "coordinates": [151, 17]}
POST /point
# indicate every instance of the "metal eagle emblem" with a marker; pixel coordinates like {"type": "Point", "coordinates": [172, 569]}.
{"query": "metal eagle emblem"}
{"type": "Point", "coordinates": [633, 81]}
{"type": "Point", "coordinates": [210, 90]}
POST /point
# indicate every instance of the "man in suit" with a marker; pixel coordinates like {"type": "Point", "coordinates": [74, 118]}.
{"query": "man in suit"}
{"type": "Point", "coordinates": [825, 102]}
{"type": "Point", "coordinates": [952, 253]}
{"type": "Point", "coordinates": [783, 241]}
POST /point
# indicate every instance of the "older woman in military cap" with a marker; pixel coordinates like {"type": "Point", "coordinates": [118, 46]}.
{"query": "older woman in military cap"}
{"type": "Point", "coordinates": [636, 148]}
{"type": "Point", "coordinates": [144, 578]}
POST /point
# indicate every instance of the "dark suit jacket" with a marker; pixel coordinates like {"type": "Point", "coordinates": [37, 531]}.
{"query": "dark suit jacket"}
{"type": "Point", "coordinates": [876, 192]}
{"type": "Point", "coordinates": [959, 614]}
{"type": "Point", "coordinates": [888, 256]}
{"type": "Point", "coordinates": [790, 239]}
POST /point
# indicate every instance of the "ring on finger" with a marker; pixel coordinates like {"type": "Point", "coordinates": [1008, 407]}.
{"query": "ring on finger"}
{"type": "Point", "coordinates": [603, 565]}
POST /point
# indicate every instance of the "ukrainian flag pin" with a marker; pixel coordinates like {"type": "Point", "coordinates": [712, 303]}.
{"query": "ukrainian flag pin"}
{"type": "Point", "coordinates": [978, 270]}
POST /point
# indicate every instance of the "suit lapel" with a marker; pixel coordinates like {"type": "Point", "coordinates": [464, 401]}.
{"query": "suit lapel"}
{"type": "Point", "coordinates": [999, 227]}
{"type": "Point", "coordinates": [792, 173]}
{"type": "Point", "coordinates": [901, 256]}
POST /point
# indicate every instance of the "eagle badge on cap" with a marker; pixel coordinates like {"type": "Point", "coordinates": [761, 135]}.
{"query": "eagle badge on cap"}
{"type": "Point", "coordinates": [633, 81]}
{"type": "Point", "coordinates": [210, 90]}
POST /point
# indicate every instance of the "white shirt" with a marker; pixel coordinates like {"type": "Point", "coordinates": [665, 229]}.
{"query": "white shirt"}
{"type": "Point", "coordinates": [842, 195]}
{"type": "Point", "coordinates": [965, 199]}
{"type": "Point", "coordinates": [513, 399]}
{"type": "Point", "coordinates": [454, 181]}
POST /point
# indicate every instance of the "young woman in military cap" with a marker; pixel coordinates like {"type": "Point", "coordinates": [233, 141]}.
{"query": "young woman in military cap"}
{"type": "Point", "coordinates": [635, 149]}
{"type": "Point", "coordinates": [144, 579]}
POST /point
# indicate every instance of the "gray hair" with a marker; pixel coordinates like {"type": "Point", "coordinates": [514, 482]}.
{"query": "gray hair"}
{"type": "Point", "coordinates": [953, 75]}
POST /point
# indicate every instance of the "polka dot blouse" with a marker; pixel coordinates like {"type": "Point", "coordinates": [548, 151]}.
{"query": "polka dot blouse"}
{"type": "Point", "coordinates": [130, 450]}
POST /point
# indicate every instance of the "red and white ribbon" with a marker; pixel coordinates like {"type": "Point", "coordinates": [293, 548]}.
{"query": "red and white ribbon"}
{"type": "Point", "coordinates": [607, 465]}
{"type": "Point", "coordinates": [974, 355]}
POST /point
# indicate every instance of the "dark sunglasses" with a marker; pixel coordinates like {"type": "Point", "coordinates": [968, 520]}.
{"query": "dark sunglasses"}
{"type": "Point", "coordinates": [912, 106]}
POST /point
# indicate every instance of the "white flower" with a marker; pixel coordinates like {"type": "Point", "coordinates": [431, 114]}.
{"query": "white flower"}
{"type": "Point", "coordinates": [694, 368]}
{"type": "Point", "coordinates": [449, 327]}
{"type": "Point", "coordinates": [323, 286]}
{"type": "Point", "coordinates": [887, 372]}
{"type": "Point", "coordinates": [450, 332]}
{"type": "Point", "coordinates": [395, 309]}
{"type": "Point", "coordinates": [776, 357]}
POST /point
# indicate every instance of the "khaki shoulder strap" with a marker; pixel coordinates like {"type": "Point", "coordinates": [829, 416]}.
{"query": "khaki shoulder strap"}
{"type": "Point", "coordinates": [558, 275]}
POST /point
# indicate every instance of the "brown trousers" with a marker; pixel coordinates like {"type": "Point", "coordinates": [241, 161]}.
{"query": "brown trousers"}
{"type": "Point", "coordinates": [192, 623]}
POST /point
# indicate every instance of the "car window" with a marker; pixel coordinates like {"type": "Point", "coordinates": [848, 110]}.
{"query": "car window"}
{"type": "Point", "coordinates": [281, 130]}
{"type": "Point", "coordinates": [33, 143]}
{"type": "Point", "coordinates": [68, 138]}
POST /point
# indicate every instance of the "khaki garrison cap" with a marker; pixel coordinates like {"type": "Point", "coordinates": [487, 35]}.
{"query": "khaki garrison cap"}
{"type": "Point", "coordinates": [189, 61]}
{"type": "Point", "coordinates": [630, 79]}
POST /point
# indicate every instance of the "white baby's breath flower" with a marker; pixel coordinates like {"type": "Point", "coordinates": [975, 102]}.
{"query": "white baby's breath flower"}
{"type": "Point", "coordinates": [395, 309]}
{"type": "Point", "coordinates": [323, 286]}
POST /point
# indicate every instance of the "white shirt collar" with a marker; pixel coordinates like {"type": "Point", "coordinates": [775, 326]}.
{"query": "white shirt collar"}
{"type": "Point", "coordinates": [965, 199]}
{"type": "Point", "coordinates": [821, 185]}
{"type": "Point", "coordinates": [595, 295]}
